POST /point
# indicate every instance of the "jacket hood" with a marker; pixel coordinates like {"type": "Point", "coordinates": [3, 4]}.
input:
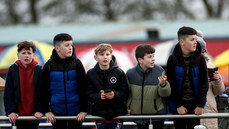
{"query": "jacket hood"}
{"type": "Point", "coordinates": [178, 52]}
{"type": "Point", "coordinates": [113, 65]}
{"type": "Point", "coordinates": [32, 64]}
{"type": "Point", "coordinates": [55, 57]}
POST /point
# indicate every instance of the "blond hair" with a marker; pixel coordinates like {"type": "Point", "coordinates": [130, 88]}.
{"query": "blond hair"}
{"type": "Point", "coordinates": [101, 48]}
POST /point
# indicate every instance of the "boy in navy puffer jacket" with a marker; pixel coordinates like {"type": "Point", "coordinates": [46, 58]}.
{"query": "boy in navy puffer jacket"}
{"type": "Point", "coordinates": [187, 75]}
{"type": "Point", "coordinates": [63, 85]}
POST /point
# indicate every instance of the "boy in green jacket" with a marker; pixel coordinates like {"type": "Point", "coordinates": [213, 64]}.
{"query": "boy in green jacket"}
{"type": "Point", "coordinates": [148, 86]}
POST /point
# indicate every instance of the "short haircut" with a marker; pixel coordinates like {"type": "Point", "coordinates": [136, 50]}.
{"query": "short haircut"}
{"type": "Point", "coordinates": [184, 31]}
{"type": "Point", "coordinates": [101, 48]}
{"type": "Point", "coordinates": [26, 45]}
{"type": "Point", "coordinates": [143, 49]}
{"type": "Point", "coordinates": [59, 38]}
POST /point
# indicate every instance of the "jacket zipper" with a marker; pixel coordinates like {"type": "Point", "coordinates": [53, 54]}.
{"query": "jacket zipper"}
{"type": "Point", "coordinates": [65, 94]}
{"type": "Point", "coordinates": [104, 80]}
{"type": "Point", "coordinates": [194, 72]}
{"type": "Point", "coordinates": [143, 79]}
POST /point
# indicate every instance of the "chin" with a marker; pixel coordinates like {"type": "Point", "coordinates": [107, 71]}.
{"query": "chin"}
{"type": "Point", "coordinates": [69, 55]}
{"type": "Point", "coordinates": [151, 66]}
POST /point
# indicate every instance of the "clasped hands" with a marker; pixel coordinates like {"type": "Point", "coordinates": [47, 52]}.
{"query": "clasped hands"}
{"type": "Point", "coordinates": [182, 110]}
{"type": "Point", "coordinates": [109, 95]}
{"type": "Point", "coordinates": [52, 119]}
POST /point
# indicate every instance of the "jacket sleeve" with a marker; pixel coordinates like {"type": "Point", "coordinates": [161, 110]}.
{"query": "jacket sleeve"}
{"type": "Point", "coordinates": [37, 75]}
{"type": "Point", "coordinates": [130, 95]}
{"type": "Point", "coordinates": [166, 90]}
{"type": "Point", "coordinates": [44, 89]}
{"type": "Point", "coordinates": [203, 83]}
{"type": "Point", "coordinates": [9, 93]}
{"type": "Point", "coordinates": [82, 86]}
{"type": "Point", "coordinates": [92, 93]}
{"type": "Point", "coordinates": [217, 87]}
{"type": "Point", "coordinates": [122, 93]}
{"type": "Point", "coordinates": [172, 81]}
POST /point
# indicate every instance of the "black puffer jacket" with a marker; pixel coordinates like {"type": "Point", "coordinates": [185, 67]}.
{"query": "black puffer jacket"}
{"type": "Point", "coordinates": [113, 78]}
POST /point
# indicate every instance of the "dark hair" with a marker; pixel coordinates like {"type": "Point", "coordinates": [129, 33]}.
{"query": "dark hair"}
{"type": "Point", "coordinates": [59, 38]}
{"type": "Point", "coordinates": [184, 31]}
{"type": "Point", "coordinates": [143, 49]}
{"type": "Point", "coordinates": [27, 45]}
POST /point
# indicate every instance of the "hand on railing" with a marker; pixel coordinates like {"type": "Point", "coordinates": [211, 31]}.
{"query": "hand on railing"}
{"type": "Point", "coordinates": [81, 116]}
{"type": "Point", "coordinates": [38, 115]}
{"type": "Point", "coordinates": [198, 110]}
{"type": "Point", "coordinates": [50, 117]}
{"type": "Point", "coordinates": [13, 117]}
{"type": "Point", "coordinates": [182, 110]}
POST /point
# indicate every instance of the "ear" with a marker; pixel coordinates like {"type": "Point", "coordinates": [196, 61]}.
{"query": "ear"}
{"type": "Point", "coordinates": [18, 55]}
{"type": "Point", "coordinates": [56, 48]}
{"type": "Point", "coordinates": [181, 42]}
{"type": "Point", "coordinates": [95, 57]}
{"type": "Point", "coordinates": [140, 60]}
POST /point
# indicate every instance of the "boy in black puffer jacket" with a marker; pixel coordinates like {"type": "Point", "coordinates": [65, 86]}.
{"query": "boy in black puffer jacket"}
{"type": "Point", "coordinates": [107, 88]}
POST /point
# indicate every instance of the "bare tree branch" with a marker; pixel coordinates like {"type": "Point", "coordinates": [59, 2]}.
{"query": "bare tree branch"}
{"type": "Point", "coordinates": [11, 6]}
{"type": "Point", "coordinates": [33, 11]}
{"type": "Point", "coordinates": [209, 8]}
{"type": "Point", "coordinates": [220, 8]}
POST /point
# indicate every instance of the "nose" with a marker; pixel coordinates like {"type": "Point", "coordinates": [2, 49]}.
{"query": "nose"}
{"type": "Point", "coordinates": [153, 58]}
{"type": "Point", "coordinates": [26, 54]}
{"type": "Point", "coordinates": [70, 47]}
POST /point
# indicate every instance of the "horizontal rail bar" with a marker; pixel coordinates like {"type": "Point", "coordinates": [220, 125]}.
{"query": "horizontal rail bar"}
{"type": "Point", "coordinates": [129, 117]}
{"type": "Point", "coordinates": [85, 124]}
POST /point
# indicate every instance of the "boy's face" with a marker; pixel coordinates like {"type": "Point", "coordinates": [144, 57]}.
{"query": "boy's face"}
{"type": "Point", "coordinates": [65, 49]}
{"type": "Point", "coordinates": [147, 61]}
{"type": "Point", "coordinates": [25, 56]}
{"type": "Point", "coordinates": [189, 43]}
{"type": "Point", "coordinates": [104, 59]}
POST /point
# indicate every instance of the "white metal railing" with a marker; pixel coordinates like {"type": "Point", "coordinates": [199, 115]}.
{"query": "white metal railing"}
{"type": "Point", "coordinates": [129, 117]}
{"type": "Point", "coordinates": [126, 117]}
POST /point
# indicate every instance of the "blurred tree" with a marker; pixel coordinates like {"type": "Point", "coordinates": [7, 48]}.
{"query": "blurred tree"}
{"type": "Point", "coordinates": [60, 11]}
{"type": "Point", "coordinates": [14, 18]}
{"type": "Point", "coordinates": [33, 11]}
{"type": "Point", "coordinates": [217, 13]}
{"type": "Point", "coordinates": [181, 9]}
{"type": "Point", "coordinates": [147, 8]}
{"type": "Point", "coordinates": [109, 12]}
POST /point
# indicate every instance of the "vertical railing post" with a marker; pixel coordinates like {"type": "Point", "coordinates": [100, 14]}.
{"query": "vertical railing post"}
{"type": "Point", "coordinates": [150, 124]}
{"type": "Point", "coordinates": [14, 126]}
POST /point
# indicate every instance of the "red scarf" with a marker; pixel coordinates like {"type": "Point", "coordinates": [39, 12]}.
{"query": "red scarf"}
{"type": "Point", "coordinates": [26, 105]}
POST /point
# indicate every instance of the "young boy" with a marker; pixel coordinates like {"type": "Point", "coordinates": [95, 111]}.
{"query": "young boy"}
{"type": "Point", "coordinates": [148, 86]}
{"type": "Point", "coordinates": [21, 88]}
{"type": "Point", "coordinates": [187, 75]}
{"type": "Point", "coordinates": [107, 88]}
{"type": "Point", "coordinates": [63, 85]}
